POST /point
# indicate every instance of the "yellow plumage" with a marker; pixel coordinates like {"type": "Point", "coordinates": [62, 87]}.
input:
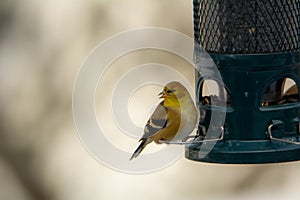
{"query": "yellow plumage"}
{"type": "Point", "coordinates": [173, 119]}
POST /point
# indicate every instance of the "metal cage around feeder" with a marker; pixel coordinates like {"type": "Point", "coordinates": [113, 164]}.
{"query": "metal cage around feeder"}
{"type": "Point", "coordinates": [255, 45]}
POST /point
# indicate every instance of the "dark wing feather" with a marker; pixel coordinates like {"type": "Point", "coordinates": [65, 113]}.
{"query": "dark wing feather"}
{"type": "Point", "coordinates": [157, 121]}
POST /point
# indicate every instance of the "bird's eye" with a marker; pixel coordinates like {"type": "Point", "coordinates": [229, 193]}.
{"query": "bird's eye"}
{"type": "Point", "coordinates": [170, 91]}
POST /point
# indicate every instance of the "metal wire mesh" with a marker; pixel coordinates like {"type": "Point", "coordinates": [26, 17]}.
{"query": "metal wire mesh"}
{"type": "Point", "coordinates": [249, 26]}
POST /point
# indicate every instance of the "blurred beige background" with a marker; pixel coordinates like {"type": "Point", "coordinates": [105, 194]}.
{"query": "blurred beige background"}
{"type": "Point", "coordinates": [42, 44]}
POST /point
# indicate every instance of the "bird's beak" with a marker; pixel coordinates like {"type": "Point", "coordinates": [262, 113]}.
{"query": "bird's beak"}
{"type": "Point", "coordinates": [162, 94]}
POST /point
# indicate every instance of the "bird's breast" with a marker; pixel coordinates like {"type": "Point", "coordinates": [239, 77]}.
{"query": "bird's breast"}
{"type": "Point", "coordinates": [188, 121]}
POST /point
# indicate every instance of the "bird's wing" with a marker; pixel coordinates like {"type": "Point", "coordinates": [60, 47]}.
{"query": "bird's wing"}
{"type": "Point", "coordinates": [157, 121]}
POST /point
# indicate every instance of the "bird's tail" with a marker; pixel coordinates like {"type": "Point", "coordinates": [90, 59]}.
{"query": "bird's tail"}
{"type": "Point", "coordinates": [140, 148]}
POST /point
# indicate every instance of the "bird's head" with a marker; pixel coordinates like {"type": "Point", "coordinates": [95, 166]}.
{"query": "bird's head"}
{"type": "Point", "coordinates": [174, 93]}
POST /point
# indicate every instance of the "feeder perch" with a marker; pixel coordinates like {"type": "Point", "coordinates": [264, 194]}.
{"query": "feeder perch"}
{"type": "Point", "coordinates": [255, 45]}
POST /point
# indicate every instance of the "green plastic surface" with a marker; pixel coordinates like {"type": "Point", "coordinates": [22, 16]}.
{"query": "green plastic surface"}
{"type": "Point", "coordinates": [246, 140]}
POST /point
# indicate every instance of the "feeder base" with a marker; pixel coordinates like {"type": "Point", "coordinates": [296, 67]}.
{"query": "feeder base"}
{"type": "Point", "coordinates": [244, 152]}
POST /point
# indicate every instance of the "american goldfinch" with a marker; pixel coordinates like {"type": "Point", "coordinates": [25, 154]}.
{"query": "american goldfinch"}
{"type": "Point", "coordinates": [173, 119]}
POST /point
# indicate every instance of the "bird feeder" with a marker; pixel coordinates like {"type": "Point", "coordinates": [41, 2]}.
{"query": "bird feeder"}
{"type": "Point", "coordinates": [255, 46]}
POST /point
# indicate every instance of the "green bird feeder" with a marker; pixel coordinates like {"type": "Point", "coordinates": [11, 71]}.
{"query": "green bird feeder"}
{"type": "Point", "coordinates": [255, 47]}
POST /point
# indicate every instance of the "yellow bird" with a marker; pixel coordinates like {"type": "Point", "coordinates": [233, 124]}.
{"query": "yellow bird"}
{"type": "Point", "coordinates": [173, 119]}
